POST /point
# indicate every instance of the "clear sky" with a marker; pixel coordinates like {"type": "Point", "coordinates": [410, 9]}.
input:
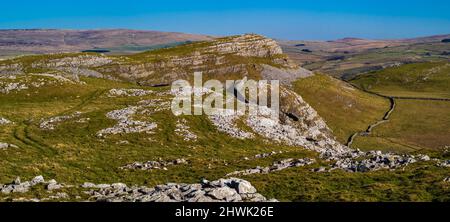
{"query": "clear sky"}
{"type": "Point", "coordinates": [283, 19]}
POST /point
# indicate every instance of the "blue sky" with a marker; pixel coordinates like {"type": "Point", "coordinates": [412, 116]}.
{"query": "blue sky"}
{"type": "Point", "coordinates": [283, 19]}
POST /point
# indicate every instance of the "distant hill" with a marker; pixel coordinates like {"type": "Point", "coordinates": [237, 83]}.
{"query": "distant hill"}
{"type": "Point", "coordinates": [351, 45]}
{"type": "Point", "coordinates": [39, 41]}
{"type": "Point", "coordinates": [348, 57]}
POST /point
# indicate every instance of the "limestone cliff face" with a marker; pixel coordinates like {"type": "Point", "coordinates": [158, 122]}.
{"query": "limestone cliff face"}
{"type": "Point", "coordinates": [247, 45]}
{"type": "Point", "coordinates": [233, 57]}
{"type": "Point", "coordinates": [300, 115]}
{"type": "Point", "coordinates": [10, 69]}
{"type": "Point", "coordinates": [85, 61]}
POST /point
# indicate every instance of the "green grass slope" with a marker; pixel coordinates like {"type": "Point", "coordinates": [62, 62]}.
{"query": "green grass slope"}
{"type": "Point", "coordinates": [424, 80]}
{"type": "Point", "coordinates": [346, 109]}
{"type": "Point", "coordinates": [72, 154]}
{"type": "Point", "coordinates": [414, 125]}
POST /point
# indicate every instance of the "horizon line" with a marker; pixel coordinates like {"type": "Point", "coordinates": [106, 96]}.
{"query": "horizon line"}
{"type": "Point", "coordinates": [217, 36]}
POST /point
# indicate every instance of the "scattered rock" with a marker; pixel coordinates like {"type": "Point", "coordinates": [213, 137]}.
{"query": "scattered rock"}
{"type": "Point", "coordinates": [444, 163]}
{"type": "Point", "coordinates": [53, 185]}
{"type": "Point", "coordinates": [126, 124]}
{"type": "Point", "coordinates": [22, 199]}
{"type": "Point", "coordinates": [58, 195]}
{"type": "Point", "coordinates": [83, 120]}
{"type": "Point", "coordinates": [319, 170]}
{"type": "Point", "coordinates": [224, 193]}
{"type": "Point", "coordinates": [264, 155]}
{"type": "Point", "coordinates": [244, 187]}
{"type": "Point", "coordinates": [225, 122]}
{"type": "Point", "coordinates": [276, 166]}
{"type": "Point", "coordinates": [4, 146]}
{"type": "Point", "coordinates": [51, 123]}
{"type": "Point", "coordinates": [88, 185]}
{"type": "Point", "coordinates": [423, 157]}
{"type": "Point", "coordinates": [128, 92]}
{"type": "Point", "coordinates": [29, 81]}
{"type": "Point", "coordinates": [11, 87]}
{"type": "Point", "coordinates": [37, 180]}
{"type": "Point", "coordinates": [4, 121]}
{"type": "Point", "coordinates": [373, 160]}
{"type": "Point", "coordinates": [16, 181]}
{"type": "Point", "coordinates": [223, 190]}
{"type": "Point", "coordinates": [149, 165]}
{"type": "Point", "coordinates": [189, 91]}
{"type": "Point", "coordinates": [123, 142]}
{"type": "Point", "coordinates": [182, 130]}
{"type": "Point", "coordinates": [17, 186]}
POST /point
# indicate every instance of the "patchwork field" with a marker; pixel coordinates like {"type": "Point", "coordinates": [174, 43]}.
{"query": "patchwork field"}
{"type": "Point", "coordinates": [349, 58]}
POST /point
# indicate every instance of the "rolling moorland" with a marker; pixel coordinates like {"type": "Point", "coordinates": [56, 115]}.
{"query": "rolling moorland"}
{"type": "Point", "coordinates": [99, 127]}
{"type": "Point", "coordinates": [349, 57]}
{"type": "Point", "coordinates": [17, 42]}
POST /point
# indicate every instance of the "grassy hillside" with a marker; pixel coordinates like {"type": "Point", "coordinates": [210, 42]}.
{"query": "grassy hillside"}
{"type": "Point", "coordinates": [346, 109]}
{"type": "Point", "coordinates": [412, 80]}
{"type": "Point", "coordinates": [414, 125]}
{"type": "Point", "coordinates": [417, 123]}
{"type": "Point", "coordinates": [73, 154]}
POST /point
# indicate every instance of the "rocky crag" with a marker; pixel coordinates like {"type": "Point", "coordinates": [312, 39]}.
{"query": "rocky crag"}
{"type": "Point", "coordinates": [247, 55]}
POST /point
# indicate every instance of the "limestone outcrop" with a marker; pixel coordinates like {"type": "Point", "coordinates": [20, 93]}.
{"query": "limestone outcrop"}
{"type": "Point", "coordinates": [222, 190]}
{"type": "Point", "coordinates": [237, 55]}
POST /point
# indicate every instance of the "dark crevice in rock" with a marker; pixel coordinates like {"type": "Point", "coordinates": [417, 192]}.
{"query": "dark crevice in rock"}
{"type": "Point", "coordinates": [292, 116]}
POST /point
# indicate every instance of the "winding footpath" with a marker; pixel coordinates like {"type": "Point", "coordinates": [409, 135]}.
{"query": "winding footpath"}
{"type": "Point", "coordinates": [387, 115]}
{"type": "Point", "coordinates": [370, 128]}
